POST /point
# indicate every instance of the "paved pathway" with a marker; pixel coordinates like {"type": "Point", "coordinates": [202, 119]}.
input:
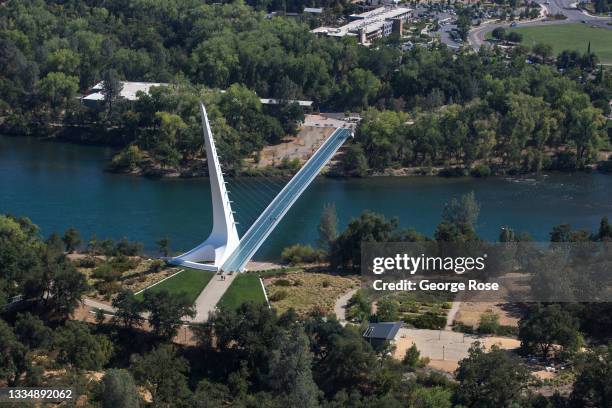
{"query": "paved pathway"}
{"type": "Point", "coordinates": [340, 306]}
{"type": "Point", "coordinates": [210, 296]}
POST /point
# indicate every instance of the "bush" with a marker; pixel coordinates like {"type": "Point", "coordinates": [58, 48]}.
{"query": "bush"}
{"type": "Point", "coordinates": [87, 262]}
{"type": "Point", "coordinates": [489, 323]}
{"type": "Point", "coordinates": [326, 284]}
{"type": "Point", "coordinates": [106, 272]}
{"type": "Point", "coordinates": [452, 172]}
{"type": "Point", "coordinates": [278, 296]}
{"type": "Point", "coordinates": [481, 170]}
{"type": "Point", "coordinates": [282, 282]}
{"type": "Point", "coordinates": [298, 254]}
{"type": "Point", "coordinates": [428, 320]}
{"type": "Point", "coordinates": [463, 328]}
{"type": "Point", "coordinates": [509, 331]}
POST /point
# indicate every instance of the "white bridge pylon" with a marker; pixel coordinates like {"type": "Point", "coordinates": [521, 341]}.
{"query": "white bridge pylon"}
{"type": "Point", "coordinates": [223, 239]}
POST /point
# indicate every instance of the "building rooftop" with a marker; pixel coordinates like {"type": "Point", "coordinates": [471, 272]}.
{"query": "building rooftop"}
{"type": "Point", "coordinates": [382, 331]}
{"type": "Point", "coordinates": [314, 10]}
{"type": "Point", "coordinates": [369, 21]}
{"type": "Point", "coordinates": [128, 92]}
{"type": "Point", "coordinates": [272, 101]}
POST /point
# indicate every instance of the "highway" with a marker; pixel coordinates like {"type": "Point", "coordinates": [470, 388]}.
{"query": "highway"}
{"type": "Point", "coordinates": [477, 36]}
{"type": "Point", "coordinates": [271, 216]}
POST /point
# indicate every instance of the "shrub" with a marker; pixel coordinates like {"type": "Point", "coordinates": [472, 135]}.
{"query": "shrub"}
{"type": "Point", "coordinates": [278, 296]}
{"type": "Point", "coordinates": [326, 284]}
{"type": "Point", "coordinates": [489, 323]}
{"type": "Point", "coordinates": [106, 272]}
{"type": "Point", "coordinates": [428, 320]}
{"type": "Point", "coordinates": [481, 170]}
{"type": "Point", "coordinates": [88, 262]}
{"type": "Point", "coordinates": [463, 328]}
{"type": "Point", "coordinates": [298, 282]}
{"type": "Point", "coordinates": [297, 254]}
{"type": "Point", "coordinates": [282, 282]}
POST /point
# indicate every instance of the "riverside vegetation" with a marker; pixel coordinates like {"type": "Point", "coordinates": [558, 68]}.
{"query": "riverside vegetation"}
{"type": "Point", "coordinates": [488, 111]}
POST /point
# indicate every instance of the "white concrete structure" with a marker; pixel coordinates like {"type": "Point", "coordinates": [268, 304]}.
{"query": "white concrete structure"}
{"type": "Point", "coordinates": [223, 239]}
{"type": "Point", "coordinates": [129, 90]}
{"type": "Point", "coordinates": [370, 25]}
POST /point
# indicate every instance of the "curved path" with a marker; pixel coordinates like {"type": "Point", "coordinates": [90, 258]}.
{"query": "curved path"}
{"type": "Point", "coordinates": [340, 306]}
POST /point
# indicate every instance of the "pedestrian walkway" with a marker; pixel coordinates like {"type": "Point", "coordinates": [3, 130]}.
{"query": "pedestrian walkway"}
{"type": "Point", "coordinates": [210, 296]}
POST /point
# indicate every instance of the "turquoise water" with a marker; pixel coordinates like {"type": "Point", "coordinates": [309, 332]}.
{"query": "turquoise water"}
{"type": "Point", "coordinates": [62, 185]}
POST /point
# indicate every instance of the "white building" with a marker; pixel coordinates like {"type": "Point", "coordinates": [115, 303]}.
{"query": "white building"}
{"type": "Point", "coordinates": [129, 91]}
{"type": "Point", "coordinates": [370, 25]}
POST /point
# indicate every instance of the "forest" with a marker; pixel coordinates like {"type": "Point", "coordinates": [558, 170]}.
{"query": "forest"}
{"type": "Point", "coordinates": [463, 104]}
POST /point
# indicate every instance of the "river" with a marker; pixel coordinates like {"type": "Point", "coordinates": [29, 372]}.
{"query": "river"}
{"type": "Point", "coordinates": [60, 185]}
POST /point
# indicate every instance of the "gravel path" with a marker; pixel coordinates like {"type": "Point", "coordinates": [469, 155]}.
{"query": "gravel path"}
{"type": "Point", "coordinates": [340, 306]}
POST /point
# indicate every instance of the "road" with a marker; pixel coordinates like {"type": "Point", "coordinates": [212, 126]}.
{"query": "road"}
{"type": "Point", "coordinates": [477, 36]}
{"type": "Point", "coordinates": [271, 216]}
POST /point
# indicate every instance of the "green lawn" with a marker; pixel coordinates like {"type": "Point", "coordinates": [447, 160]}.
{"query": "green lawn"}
{"type": "Point", "coordinates": [570, 37]}
{"type": "Point", "coordinates": [246, 287]}
{"type": "Point", "coordinates": [190, 281]}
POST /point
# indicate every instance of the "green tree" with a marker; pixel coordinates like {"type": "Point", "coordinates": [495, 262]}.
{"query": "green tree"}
{"type": "Point", "coordinates": [353, 161]}
{"type": "Point", "coordinates": [163, 245]}
{"type": "Point", "coordinates": [435, 397]}
{"type": "Point", "coordinates": [412, 358]}
{"type": "Point", "coordinates": [490, 380]}
{"type": "Point", "coordinates": [163, 373]}
{"type": "Point", "coordinates": [128, 309]}
{"type": "Point", "coordinates": [166, 311]}
{"type": "Point", "coordinates": [489, 322]}
{"type": "Point", "coordinates": [593, 385]}
{"type": "Point", "coordinates": [72, 239]}
{"type": "Point", "coordinates": [118, 390]}
{"type": "Point", "coordinates": [462, 211]}
{"type": "Point", "coordinates": [67, 290]}
{"type": "Point", "coordinates": [546, 326]}
{"type": "Point", "coordinates": [80, 348]}
{"type": "Point", "coordinates": [328, 228]}
{"type": "Point", "coordinates": [111, 89]}
{"type": "Point", "coordinates": [57, 88]}
{"type": "Point", "coordinates": [32, 332]}
{"type": "Point", "coordinates": [13, 359]}
{"type": "Point", "coordinates": [290, 370]}
{"type": "Point", "coordinates": [387, 310]}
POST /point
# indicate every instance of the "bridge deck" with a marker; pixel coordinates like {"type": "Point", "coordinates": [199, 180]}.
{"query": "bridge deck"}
{"type": "Point", "coordinates": [271, 216]}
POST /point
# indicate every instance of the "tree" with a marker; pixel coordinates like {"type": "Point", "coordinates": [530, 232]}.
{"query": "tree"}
{"type": "Point", "coordinates": [412, 358]}
{"type": "Point", "coordinates": [57, 88]}
{"type": "Point", "coordinates": [328, 228]}
{"type": "Point", "coordinates": [593, 385]}
{"type": "Point", "coordinates": [369, 227]}
{"type": "Point", "coordinates": [361, 86]}
{"type": "Point", "coordinates": [465, 211]}
{"type": "Point", "coordinates": [118, 390]}
{"type": "Point", "coordinates": [163, 245]}
{"type": "Point", "coordinates": [163, 373]}
{"type": "Point", "coordinates": [544, 51]}
{"type": "Point", "coordinates": [128, 309]}
{"type": "Point", "coordinates": [489, 322]}
{"type": "Point", "coordinates": [546, 326]}
{"type": "Point", "coordinates": [353, 161]}
{"type": "Point", "coordinates": [436, 397]}
{"type": "Point", "coordinates": [31, 331]}
{"type": "Point", "coordinates": [290, 370]}
{"type": "Point", "coordinates": [166, 311]}
{"type": "Point", "coordinates": [72, 239]}
{"type": "Point", "coordinates": [111, 89]}
{"type": "Point", "coordinates": [499, 33]}
{"type": "Point", "coordinates": [67, 290]}
{"type": "Point", "coordinates": [490, 380]}
{"type": "Point", "coordinates": [13, 359]}
{"type": "Point", "coordinates": [514, 37]}
{"type": "Point", "coordinates": [387, 310]}
{"type": "Point", "coordinates": [80, 348]}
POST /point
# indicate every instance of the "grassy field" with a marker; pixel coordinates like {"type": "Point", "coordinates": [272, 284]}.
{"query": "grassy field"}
{"type": "Point", "coordinates": [190, 281]}
{"type": "Point", "coordinates": [571, 37]}
{"type": "Point", "coordinates": [246, 287]}
{"type": "Point", "coordinates": [306, 292]}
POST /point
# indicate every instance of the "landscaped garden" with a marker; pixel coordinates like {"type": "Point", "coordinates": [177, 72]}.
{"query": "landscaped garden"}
{"type": "Point", "coordinates": [307, 292]}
